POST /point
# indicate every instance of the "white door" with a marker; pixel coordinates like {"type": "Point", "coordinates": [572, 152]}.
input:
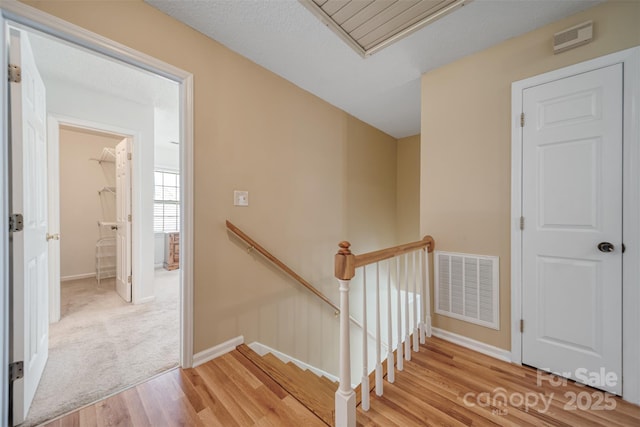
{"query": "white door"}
{"type": "Point", "coordinates": [29, 248]}
{"type": "Point", "coordinates": [572, 205]}
{"type": "Point", "coordinates": [123, 219]}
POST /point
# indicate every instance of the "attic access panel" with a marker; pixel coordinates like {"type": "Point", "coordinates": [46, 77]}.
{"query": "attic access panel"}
{"type": "Point", "coordinates": [371, 25]}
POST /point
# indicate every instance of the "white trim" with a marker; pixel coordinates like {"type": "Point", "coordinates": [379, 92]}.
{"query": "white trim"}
{"type": "Point", "coordinates": [36, 19]}
{"type": "Point", "coordinates": [136, 196]}
{"type": "Point", "coordinates": [216, 351]}
{"type": "Point", "coordinates": [480, 347]}
{"type": "Point", "coordinates": [53, 213]}
{"type": "Point", "coordinates": [630, 58]}
{"type": "Point", "coordinates": [262, 349]}
{"type": "Point", "coordinates": [4, 239]}
{"type": "Point", "coordinates": [31, 17]}
{"type": "Point", "coordinates": [76, 277]}
{"type": "Point", "coordinates": [186, 220]}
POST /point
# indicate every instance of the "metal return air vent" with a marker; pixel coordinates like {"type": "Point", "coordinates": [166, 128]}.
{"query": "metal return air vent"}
{"type": "Point", "coordinates": [370, 25]}
{"type": "Point", "coordinates": [467, 287]}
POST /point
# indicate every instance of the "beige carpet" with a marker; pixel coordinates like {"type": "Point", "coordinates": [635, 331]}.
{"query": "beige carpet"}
{"type": "Point", "coordinates": [102, 345]}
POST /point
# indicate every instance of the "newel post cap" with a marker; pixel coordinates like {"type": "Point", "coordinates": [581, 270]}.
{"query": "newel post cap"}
{"type": "Point", "coordinates": [344, 262]}
{"type": "Point", "coordinates": [344, 248]}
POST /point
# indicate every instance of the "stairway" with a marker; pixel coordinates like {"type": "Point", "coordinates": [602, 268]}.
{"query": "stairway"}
{"type": "Point", "coordinates": [313, 391]}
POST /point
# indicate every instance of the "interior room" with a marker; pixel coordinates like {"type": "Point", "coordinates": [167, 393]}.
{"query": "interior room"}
{"type": "Point", "coordinates": [381, 212]}
{"type": "Point", "coordinates": [102, 338]}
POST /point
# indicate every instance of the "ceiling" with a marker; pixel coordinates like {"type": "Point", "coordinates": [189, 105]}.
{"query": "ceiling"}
{"type": "Point", "coordinates": [98, 72]}
{"type": "Point", "coordinates": [383, 89]}
{"type": "Point", "coordinates": [102, 74]}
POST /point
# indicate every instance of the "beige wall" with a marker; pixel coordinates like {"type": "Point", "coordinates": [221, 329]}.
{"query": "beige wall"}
{"type": "Point", "coordinates": [466, 155]}
{"type": "Point", "coordinates": [305, 163]}
{"type": "Point", "coordinates": [80, 204]}
{"type": "Point", "coordinates": [408, 189]}
{"type": "Point", "coordinates": [370, 188]}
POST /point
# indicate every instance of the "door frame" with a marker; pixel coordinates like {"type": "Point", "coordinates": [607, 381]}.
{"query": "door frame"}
{"type": "Point", "coordinates": [38, 20]}
{"type": "Point", "coordinates": [55, 121]}
{"type": "Point", "coordinates": [630, 58]}
{"type": "Point", "coordinates": [53, 208]}
{"type": "Point", "coordinates": [4, 238]}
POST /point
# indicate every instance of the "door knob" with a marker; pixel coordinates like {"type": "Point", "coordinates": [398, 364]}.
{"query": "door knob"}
{"type": "Point", "coordinates": [53, 236]}
{"type": "Point", "coordinates": [606, 247]}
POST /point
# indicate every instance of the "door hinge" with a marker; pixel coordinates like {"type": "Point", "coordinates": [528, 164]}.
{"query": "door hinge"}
{"type": "Point", "coordinates": [15, 73]}
{"type": "Point", "coordinates": [16, 223]}
{"type": "Point", "coordinates": [129, 279]}
{"type": "Point", "coordinates": [16, 371]}
{"type": "Point", "coordinates": [521, 325]}
{"type": "Point", "coordinates": [128, 156]}
{"type": "Point", "coordinates": [521, 223]}
{"type": "Point", "coordinates": [521, 120]}
{"type": "Point", "coordinates": [129, 217]}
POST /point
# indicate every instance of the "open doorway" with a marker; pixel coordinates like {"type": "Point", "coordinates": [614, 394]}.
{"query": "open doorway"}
{"type": "Point", "coordinates": [102, 338]}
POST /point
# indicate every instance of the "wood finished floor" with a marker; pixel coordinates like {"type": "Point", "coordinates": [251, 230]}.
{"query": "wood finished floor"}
{"type": "Point", "coordinates": [445, 384]}
{"type": "Point", "coordinates": [228, 391]}
{"type": "Point", "coordinates": [232, 391]}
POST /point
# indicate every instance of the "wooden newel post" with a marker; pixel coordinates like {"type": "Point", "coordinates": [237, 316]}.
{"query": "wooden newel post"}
{"type": "Point", "coordinates": [345, 262]}
{"type": "Point", "coordinates": [345, 400]}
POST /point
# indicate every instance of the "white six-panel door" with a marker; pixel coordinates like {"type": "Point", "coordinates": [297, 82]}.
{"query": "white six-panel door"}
{"type": "Point", "coordinates": [30, 320]}
{"type": "Point", "coordinates": [572, 202]}
{"type": "Point", "coordinates": [123, 214]}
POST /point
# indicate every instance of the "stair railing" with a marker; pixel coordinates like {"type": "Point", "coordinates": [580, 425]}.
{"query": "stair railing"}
{"type": "Point", "coordinates": [410, 258]}
{"type": "Point", "coordinates": [253, 245]}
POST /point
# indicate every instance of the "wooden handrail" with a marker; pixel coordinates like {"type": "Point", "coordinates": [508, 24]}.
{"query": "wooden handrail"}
{"type": "Point", "coordinates": [282, 266]}
{"type": "Point", "coordinates": [346, 262]}
{"type": "Point", "coordinates": [254, 245]}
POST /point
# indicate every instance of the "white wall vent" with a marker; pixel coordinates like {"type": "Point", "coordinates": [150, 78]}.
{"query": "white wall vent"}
{"type": "Point", "coordinates": [573, 37]}
{"type": "Point", "coordinates": [467, 287]}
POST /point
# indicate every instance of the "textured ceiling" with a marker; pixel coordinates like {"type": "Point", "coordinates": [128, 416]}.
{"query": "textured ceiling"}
{"type": "Point", "coordinates": [383, 89]}
{"type": "Point", "coordinates": [58, 61]}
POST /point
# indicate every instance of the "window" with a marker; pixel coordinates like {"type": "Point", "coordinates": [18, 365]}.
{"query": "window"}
{"type": "Point", "coordinates": [166, 206]}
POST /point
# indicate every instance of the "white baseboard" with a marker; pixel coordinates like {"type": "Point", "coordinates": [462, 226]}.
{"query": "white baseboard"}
{"type": "Point", "coordinates": [262, 349]}
{"type": "Point", "coordinates": [216, 351]}
{"type": "Point", "coordinates": [480, 347]}
{"type": "Point", "coordinates": [77, 277]}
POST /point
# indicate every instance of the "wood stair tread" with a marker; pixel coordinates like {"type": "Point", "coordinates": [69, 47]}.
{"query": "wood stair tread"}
{"type": "Point", "coordinates": [308, 390]}
{"type": "Point", "coordinates": [330, 383]}
{"type": "Point", "coordinates": [322, 387]}
{"type": "Point", "coordinates": [322, 384]}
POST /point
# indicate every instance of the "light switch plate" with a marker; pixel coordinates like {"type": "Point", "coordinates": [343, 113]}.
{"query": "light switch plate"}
{"type": "Point", "coordinates": [240, 198]}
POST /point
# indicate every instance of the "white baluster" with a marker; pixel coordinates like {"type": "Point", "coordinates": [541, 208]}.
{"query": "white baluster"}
{"type": "Point", "coordinates": [399, 357]}
{"type": "Point", "coordinates": [391, 369]}
{"type": "Point", "coordinates": [407, 327]}
{"type": "Point", "coordinates": [427, 292]}
{"type": "Point", "coordinates": [416, 338]}
{"type": "Point", "coordinates": [379, 374]}
{"type": "Point", "coordinates": [423, 301]}
{"type": "Point", "coordinates": [345, 398]}
{"type": "Point", "coordinates": [364, 386]}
